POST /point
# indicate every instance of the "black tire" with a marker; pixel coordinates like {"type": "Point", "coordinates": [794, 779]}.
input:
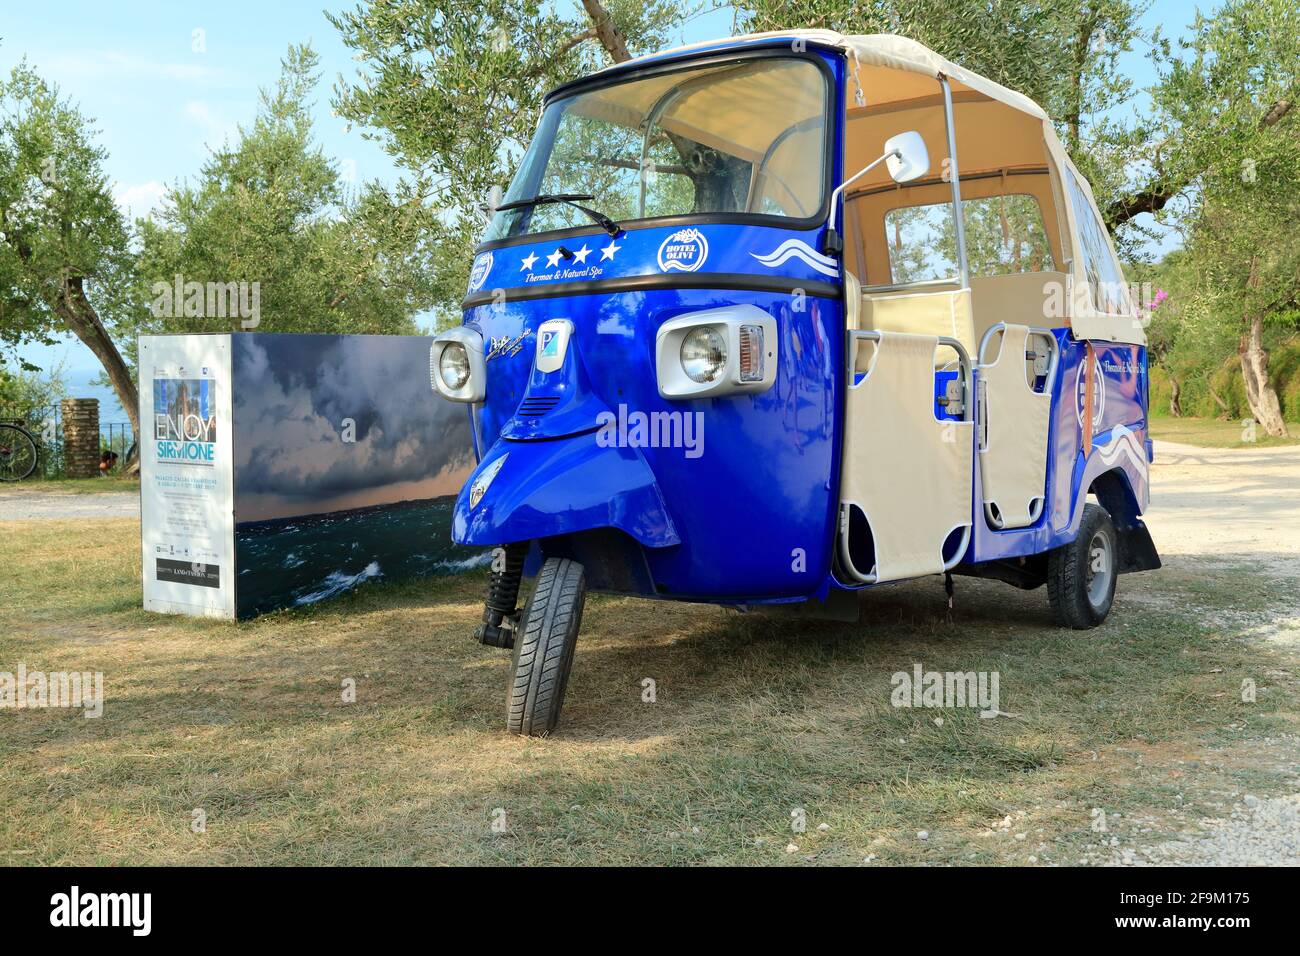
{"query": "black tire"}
{"type": "Point", "coordinates": [544, 646]}
{"type": "Point", "coordinates": [1081, 575]}
{"type": "Point", "coordinates": [18, 453]}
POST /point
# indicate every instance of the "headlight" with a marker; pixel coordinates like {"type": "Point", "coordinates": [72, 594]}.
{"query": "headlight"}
{"type": "Point", "coordinates": [453, 366]}
{"type": "Point", "coordinates": [704, 355]}
{"type": "Point", "coordinates": [725, 351]}
{"type": "Point", "coordinates": [456, 365]}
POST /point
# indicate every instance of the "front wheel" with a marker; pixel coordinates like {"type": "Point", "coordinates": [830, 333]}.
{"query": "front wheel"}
{"type": "Point", "coordinates": [1081, 575]}
{"type": "Point", "coordinates": [544, 646]}
{"type": "Point", "coordinates": [18, 456]}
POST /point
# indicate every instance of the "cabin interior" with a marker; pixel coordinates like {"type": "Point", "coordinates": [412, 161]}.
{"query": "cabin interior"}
{"type": "Point", "coordinates": [899, 242]}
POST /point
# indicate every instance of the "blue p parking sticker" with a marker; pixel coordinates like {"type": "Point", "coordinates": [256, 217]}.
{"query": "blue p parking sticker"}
{"type": "Point", "coordinates": [552, 343]}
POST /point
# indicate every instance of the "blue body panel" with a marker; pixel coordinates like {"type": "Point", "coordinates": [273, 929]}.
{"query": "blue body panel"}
{"type": "Point", "coordinates": [570, 486]}
{"type": "Point", "coordinates": [1119, 411]}
{"type": "Point", "coordinates": [727, 250]}
{"type": "Point", "coordinates": [761, 498]}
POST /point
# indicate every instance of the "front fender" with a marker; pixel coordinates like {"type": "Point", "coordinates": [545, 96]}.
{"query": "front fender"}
{"type": "Point", "coordinates": [563, 486]}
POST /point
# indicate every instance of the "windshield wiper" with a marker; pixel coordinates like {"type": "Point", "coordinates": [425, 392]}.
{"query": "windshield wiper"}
{"type": "Point", "coordinates": [567, 199]}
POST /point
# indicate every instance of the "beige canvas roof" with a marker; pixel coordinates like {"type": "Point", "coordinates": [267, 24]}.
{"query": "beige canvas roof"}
{"type": "Point", "coordinates": [887, 50]}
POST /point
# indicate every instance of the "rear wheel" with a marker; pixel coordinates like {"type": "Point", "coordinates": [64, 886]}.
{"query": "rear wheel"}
{"type": "Point", "coordinates": [1081, 575]}
{"type": "Point", "coordinates": [544, 646]}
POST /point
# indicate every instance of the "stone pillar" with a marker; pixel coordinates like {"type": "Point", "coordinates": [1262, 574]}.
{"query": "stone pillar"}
{"type": "Point", "coordinates": [81, 437]}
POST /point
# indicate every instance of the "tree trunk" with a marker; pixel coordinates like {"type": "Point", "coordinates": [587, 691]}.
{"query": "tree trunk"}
{"type": "Point", "coordinates": [1074, 111]}
{"type": "Point", "coordinates": [80, 316]}
{"type": "Point", "coordinates": [1223, 405]}
{"type": "Point", "coordinates": [1175, 396]}
{"type": "Point", "coordinates": [1264, 404]}
{"type": "Point", "coordinates": [610, 36]}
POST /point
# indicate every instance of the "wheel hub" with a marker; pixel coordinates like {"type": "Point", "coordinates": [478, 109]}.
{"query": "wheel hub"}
{"type": "Point", "coordinates": [1101, 568]}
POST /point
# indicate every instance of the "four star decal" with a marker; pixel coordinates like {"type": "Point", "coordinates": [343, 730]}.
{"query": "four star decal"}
{"type": "Point", "coordinates": [580, 257]}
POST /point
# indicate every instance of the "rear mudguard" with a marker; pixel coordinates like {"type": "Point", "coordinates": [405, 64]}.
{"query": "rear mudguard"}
{"type": "Point", "coordinates": [563, 486]}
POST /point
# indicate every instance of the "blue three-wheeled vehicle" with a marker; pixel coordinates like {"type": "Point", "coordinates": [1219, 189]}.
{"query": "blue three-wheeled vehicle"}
{"type": "Point", "coordinates": [777, 318]}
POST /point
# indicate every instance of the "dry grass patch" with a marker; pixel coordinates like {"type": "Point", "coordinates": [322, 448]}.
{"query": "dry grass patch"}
{"type": "Point", "coordinates": [1216, 433]}
{"type": "Point", "coordinates": [755, 717]}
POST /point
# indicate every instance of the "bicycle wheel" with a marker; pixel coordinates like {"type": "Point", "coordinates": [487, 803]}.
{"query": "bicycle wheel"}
{"type": "Point", "coordinates": [17, 453]}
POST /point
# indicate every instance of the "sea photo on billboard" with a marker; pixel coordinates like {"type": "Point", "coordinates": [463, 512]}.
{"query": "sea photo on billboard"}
{"type": "Point", "coordinates": [346, 467]}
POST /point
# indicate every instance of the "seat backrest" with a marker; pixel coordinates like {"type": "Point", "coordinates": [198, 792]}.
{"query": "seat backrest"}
{"type": "Point", "coordinates": [945, 313]}
{"type": "Point", "coordinates": [1017, 299]}
{"type": "Point", "coordinates": [908, 472]}
{"type": "Point", "coordinates": [852, 301]}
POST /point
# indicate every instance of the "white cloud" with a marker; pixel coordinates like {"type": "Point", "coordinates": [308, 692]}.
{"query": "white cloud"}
{"type": "Point", "coordinates": [116, 65]}
{"type": "Point", "coordinates": [139, 200]}
{"type": "Point", "coordinates": [216, 130]}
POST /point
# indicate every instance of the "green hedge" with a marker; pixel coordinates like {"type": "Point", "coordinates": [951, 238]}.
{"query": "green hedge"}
{"type": "Point", "coordinates": [1226, 382]}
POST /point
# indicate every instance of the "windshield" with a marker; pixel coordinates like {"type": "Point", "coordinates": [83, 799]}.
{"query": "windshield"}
{"type": "Point", "coordinates": [742, 137]}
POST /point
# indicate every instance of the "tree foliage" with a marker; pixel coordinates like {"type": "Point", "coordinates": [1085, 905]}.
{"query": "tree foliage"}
{"type": "Point", "coordinates": [22, 391]}
{"type": "Point", "coordinates": [272, 209]}
{"type": "Point", "coordinates": [65, 257]}
{"type": "Point", "coordinates": [1228, 98]}
{"type": "Point", "coordinates": [452, 89]}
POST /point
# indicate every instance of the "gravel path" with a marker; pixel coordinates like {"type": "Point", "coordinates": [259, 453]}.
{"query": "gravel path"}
{"type": "Point", "coordinates": [1223, 503]}
{"type": "Point", "coordinates": [1216, 507]}
{"type": "Point", "coordinates": [1260, 833]}
{"type": "Point", "coordinates": [1255, 833]}
{"type": "Point", "coordinates": [28, 506]}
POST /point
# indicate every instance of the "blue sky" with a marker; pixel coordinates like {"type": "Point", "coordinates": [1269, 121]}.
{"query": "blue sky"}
{"type": "Point", "coordinates": [161, 93]}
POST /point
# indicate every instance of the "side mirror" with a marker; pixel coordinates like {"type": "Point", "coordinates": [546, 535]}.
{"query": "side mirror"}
{"type": "Point", "coordinates": [906, 157]}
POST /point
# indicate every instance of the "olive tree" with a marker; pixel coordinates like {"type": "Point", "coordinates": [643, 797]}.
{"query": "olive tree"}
{"type": "Point", "coordinates": [271, 211]}
{"type": "Point", "coordinates": [65, 259]}
{"type": "Point", "coordinates": [1229, 100]}
{"type": "Point", "coordinates": [452, 89]}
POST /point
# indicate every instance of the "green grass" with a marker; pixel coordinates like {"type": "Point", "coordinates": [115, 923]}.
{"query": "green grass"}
{"type": "Point", "coordinates": [73, 486]}
{"type": "Point", "coordinates": [1215, 433]}
{"type": "Point", "coordinates": [755, 717]}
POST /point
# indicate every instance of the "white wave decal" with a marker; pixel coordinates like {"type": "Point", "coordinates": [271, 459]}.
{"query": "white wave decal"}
{"type": "Point", "coordinates": [1123, 442]}
{"type": "Point", "coordinates": [794, 249]}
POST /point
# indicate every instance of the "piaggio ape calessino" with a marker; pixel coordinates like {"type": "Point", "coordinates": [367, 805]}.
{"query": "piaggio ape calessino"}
{"type": "Point", "coordinates": [776, 318]}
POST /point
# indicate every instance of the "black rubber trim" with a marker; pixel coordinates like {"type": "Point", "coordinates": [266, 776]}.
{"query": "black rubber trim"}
{"type": "Point", "coordinates": [710, 280]}
{"type": "Point", "coordinates": [684, 59]}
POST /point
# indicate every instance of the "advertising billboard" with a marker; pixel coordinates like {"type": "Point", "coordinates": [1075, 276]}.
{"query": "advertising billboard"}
{"type": "Point", "coordinates": [186, 475]}
{"type": "Point", "coordinates": [287, 469]}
